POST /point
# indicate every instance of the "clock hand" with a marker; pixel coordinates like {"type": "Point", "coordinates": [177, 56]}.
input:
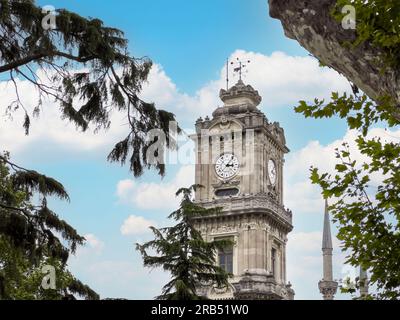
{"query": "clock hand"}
{"type": "Point", "coordinates": [230, 164]}
{"type": "Point", "coordinates": [226, 165]}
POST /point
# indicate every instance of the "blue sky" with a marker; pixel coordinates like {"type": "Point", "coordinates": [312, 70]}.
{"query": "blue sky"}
{"type": "Point", "coordinates": [189, 37]}
{"type": "Point", "coordinates": [189, 42]}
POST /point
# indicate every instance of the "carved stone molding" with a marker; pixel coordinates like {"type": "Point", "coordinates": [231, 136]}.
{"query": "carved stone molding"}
{"type": "Point", "coordinates": [328, 289]}
{"type": "Point", "coordinates": [261, 287]}
{"type": "Point", "coordinates": [253, 204]}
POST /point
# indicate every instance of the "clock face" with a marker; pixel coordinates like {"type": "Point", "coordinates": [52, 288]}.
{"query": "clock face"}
{"type": "Point", "coordinates": [227, 166]}
{"type": "Point", "coordinates": [272, 171]}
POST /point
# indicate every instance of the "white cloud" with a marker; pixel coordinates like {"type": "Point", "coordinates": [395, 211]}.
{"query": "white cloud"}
{"type": "Point", "coordinates": [308, 241]}
{"type": "Point", "coordinates": [161, 90]}
{"type": "Point", "coordinates": [282, 80]}
{"type": "Point", "coordinates": [135, 225]}
{"type": "Point", "coordinates": [92, 247]}
{"type": "Point", "coordinates": [48, 131]}
{"type": "Point", "coordinates": [120, 278]}
{"type": "Point", "coordinates": [93, 242]}
{"type": "Point", "coordinates": [300, 194]}
{"type": "Point", "coordinates": [150, 195]}
{"type": "Point", "coordinates": [304, 256]}
{"type": "Point", "coordinates": [304, 263]}
{"type": "Point", "coordinates": [124, 189]}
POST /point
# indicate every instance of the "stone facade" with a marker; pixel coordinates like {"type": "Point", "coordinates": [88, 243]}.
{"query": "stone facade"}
{"type": "Point", "coordinates": [253, 215]}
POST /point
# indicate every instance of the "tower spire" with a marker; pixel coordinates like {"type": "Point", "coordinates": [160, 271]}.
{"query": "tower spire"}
{"type": "Point", "coordinates": [327, 286]}
{"type": "Point", "coordinates": [326, 235]}
{"type": "Point", "coordinates": [363, 283]}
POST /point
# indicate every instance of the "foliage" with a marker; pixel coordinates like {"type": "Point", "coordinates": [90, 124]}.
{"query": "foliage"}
{"type": "Point", "coordinates": [368, 215]}
{"type": "Point", "coordinates": [183, 252]}
{"type": "Point", "coordinates": [359, 111]}
{"type": "Point", "coordinates": [86, 68]}
{"type": "Point", "coordinates": [367, 207]}
{"type": "Point", "coordinates": [24, 280]}
{"type": "Point", "coordinates": [28, 235]}
{"type": "Point", "coordinates": [378, 22]}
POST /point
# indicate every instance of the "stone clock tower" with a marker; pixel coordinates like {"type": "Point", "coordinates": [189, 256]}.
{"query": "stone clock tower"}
{"type": "Point", "coordinates": [239, 161]}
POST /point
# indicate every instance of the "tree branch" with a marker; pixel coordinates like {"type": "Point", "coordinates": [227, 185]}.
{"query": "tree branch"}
{"type": "Point", "coordinates": [40, 55]}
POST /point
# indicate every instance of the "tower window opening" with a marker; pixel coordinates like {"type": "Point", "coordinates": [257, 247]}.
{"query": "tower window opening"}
{"type": "Point", "coordinates": [225, 259]}
{"type": "Point", "coordinates": [273, 261]}
{"type": "Point", "coordinates": [227, 192]}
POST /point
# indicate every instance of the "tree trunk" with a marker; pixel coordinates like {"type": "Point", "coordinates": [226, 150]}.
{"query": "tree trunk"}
{"type": "Point", "coordinates": [311, 24]}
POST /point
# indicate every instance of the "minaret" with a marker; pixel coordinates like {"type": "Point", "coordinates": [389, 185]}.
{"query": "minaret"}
{"type": "Point", "coordinates": [363, 283]}
{"type": "Point", "coordinates": [327, 286]}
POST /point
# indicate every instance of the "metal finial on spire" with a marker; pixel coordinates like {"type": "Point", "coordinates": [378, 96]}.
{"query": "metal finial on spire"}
{"type": "Point", "coordinates": [240, 65]}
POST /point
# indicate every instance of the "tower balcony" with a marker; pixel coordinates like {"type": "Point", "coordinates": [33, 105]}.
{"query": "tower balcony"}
{"type": "Point", "coordinates": [254, 204]}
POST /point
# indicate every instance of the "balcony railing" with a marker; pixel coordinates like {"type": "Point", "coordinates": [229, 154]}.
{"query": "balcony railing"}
{"type": "Point", "coordinates": [257, 202]}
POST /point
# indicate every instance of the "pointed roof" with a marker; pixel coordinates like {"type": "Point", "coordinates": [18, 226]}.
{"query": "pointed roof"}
{"type": "Point", "coordinates": [326, 236]}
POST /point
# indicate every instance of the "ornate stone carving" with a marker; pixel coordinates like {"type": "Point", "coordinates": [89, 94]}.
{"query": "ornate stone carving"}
{"type": "Point", "coordinates": [328, 289]}
{"type": "Point", "coordinates": [261, 287]}
{"type": "Point", "coordinates": [223, 293]}
{"type": "Point", "coordinates": [240, 90]}
{"type": "Point", "coordinates": [255, 217]}
{"type": "Point", "coordinates": [255, 203]}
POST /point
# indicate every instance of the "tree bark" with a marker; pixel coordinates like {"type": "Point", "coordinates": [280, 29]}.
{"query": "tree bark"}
{"type": "Point", "coordinates": [312, 25]}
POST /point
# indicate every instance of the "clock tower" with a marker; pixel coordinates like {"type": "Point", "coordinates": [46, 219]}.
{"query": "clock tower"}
{"type": "Point", "coordinates": [239, 163]}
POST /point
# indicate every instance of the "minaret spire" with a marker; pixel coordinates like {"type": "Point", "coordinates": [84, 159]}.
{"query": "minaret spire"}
{"type": "Point", "coordinates": [363, 283]}
{"type": "Point", "coordinates": [327, 286]}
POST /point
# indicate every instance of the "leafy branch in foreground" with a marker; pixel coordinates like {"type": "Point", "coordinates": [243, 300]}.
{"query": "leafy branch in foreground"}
{"type": "Point", "coordinates": [359, 111]}
{"type": "Point", "coordinates": [23, 280]}
{"type": "Point", "coordinates": [360, 40]}
{"type": "Point", "coordinates": [183, 252]}
{"type": "Point", "coordinates": [367, 209]}
{"type": "Point", "coordinates": [86, 68]}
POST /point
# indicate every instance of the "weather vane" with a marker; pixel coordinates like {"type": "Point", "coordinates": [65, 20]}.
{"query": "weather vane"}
{"type": "Point", "coordinates": [239, 66]}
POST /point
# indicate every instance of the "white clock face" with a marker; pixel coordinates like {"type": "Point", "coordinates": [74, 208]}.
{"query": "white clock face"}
{"type": "Point", "coordinates": [227, 166]}
{"type": "Point", "coordinates": [272, 171]}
